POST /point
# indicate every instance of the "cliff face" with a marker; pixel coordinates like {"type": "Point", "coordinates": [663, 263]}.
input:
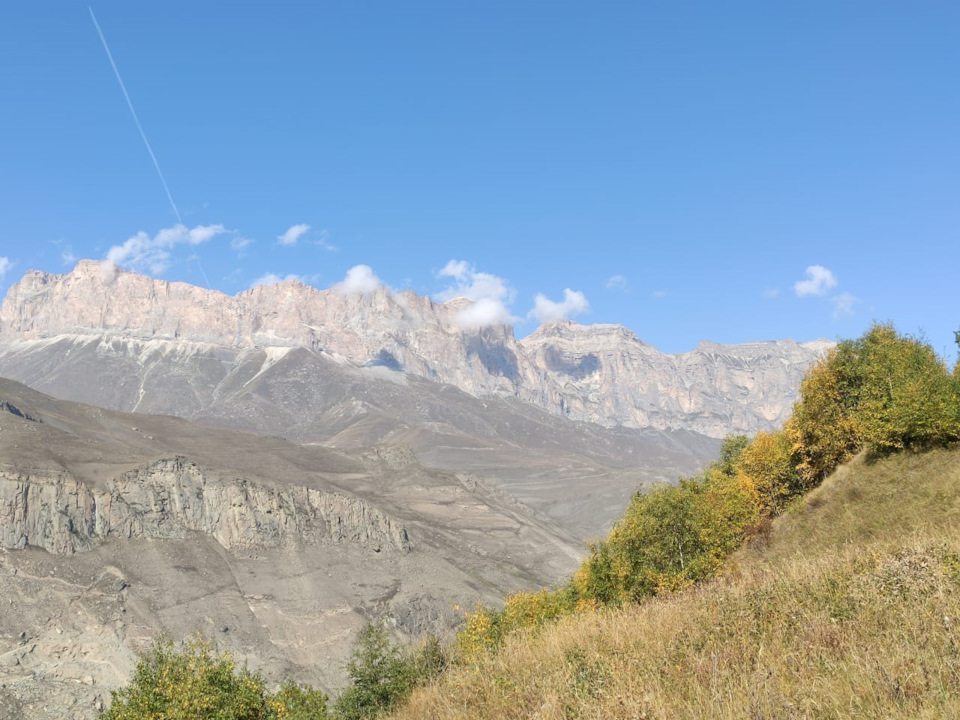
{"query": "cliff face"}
{"type": "Point", "coordinates": [168, 499]}
{"type": "Point", "coordinates": [605, 373]}
{"type": "Point", "coordinates": [599, 373]}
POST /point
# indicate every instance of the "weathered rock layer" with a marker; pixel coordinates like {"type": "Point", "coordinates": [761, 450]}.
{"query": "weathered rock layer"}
{"type": "Point", "coordinates": [172, 497]}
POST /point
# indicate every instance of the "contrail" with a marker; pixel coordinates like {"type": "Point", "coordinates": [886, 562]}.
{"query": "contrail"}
{"type": "Point", "coordinates": [142, 133]}
{"type": "Point", "coordinates": [134, 113]}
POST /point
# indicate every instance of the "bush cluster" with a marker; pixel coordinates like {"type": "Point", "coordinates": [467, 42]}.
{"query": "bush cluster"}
{"type": "Point", "coordinates": [198, 682]}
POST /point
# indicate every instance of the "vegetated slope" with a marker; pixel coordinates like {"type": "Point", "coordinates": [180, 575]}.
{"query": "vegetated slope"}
{"type": "Point", "coordinates": [848, 608]}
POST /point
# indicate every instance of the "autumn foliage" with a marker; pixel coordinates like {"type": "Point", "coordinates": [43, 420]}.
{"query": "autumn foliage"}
{"type": "Point", "coordinates": [881, 393]}
{"type": "Point", "coordinates": [198, 682]}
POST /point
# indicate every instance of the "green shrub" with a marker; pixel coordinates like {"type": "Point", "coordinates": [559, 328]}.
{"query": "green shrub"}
{"type": "Point", "coordinates": [906, 397]}
{"type": "Point", "coordinates": [198, 682]}
{"type": "Point", "coordinates": [382, 675]}
{"type": "Point", "coordinates": [670, 537]}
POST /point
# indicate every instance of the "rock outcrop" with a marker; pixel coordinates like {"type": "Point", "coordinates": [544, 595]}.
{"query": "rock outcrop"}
{"type": "Point", "coordinates": [172, 497]}
{"type": "Point", "coordinates": [598, 373]}
{"type": "Point", "coordinates": [606, 374]}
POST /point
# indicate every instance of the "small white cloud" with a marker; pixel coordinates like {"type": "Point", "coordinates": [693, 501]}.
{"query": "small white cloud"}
{"type": "Point", "coordinates": [843, 304]}
{"type": "Point", "coordinates": [491, 295]}
{"type": "Point", "coordinates": [483, 313]}
{"type": "Point", "coordinates": [457, 269]}
{"type": "Point", "coordinates": [574, 302]}
{"type": "Point", "coordinates": [659, 294]}
{"type": "Point", "coordinates": [5, 266]}
{"type": "Point", "coordinates": [819, 281]}
{"type": "Point", "coordinates": [473, 285]}
{"type": "Point", "coordinates": [239, 242]}
{"type": "Point", "coordinates": [144, 253]}
{"type": "Point", "coordinates": [67, 257]}
{"type": "Point", "coordinates": [616, 282]}
{"type": "Point", "coordinates": [292, 234]}
{"type": "Point", "coordinates": [771, 292]}
{"type": "Point", "coordinates": [323, 240]}
{"type": "Point", "coordinates": [273, 279]}
{"type": "Point", "coordinates": [359, 279]}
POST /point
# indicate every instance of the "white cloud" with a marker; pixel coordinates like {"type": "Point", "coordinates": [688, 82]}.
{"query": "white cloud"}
{"type": "Point", "coordinates": [67, 257]}
{"type": "Point", "coordinates": [819, 281]}
{"type": "Point", "coordinates": [616, 282]}
{"type": "Point", "coordinates": [323, 240]}
{"type": "Point", "coordinates": [843, 304]}
{"type": "Point", "coordinates": [273, 279]}
{"type": "Point", "coordinates": [574, 302]}
{"type": "Point", "coordinates": [458, 269]}
{"type": "Point", "coordinates": [239, 242]}
{"type": "Point", "coordinates": [490, 294]}
{"type": "Point", "coordinates": [359, 279]}
{"type": "Point", "coordinates": [5, 266]}
{"type": "Point", "coordinates": [771, 292]}
{"type": "Point", "coordinates": [152, 254]}
{"type": "Point", "coordinates": [483, 313]}
{"type": "Point", "coordinates": [659, 294]}
{"type": "Point", "coordinates": [473, 285]}
{"type": "Point", "coordinates": [292, 234]}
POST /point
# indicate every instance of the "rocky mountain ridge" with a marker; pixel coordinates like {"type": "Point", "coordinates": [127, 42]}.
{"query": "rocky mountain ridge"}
{"type": "Point", "coordinates": [597, 373]}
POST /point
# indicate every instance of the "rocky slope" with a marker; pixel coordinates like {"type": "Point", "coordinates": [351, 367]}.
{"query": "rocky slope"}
{"type": "Point", "coordinates": [114, 527]}
{"type": "Point", "coordinates": [602, 374]}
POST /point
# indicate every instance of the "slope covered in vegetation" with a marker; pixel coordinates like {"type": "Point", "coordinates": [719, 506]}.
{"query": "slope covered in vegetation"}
{"type": "Point", "coordinates": [840, 601]}
{"type": "Point", "coordinates": [848, 608]}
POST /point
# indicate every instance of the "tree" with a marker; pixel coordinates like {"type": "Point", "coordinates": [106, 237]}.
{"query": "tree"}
{"type": "Point", "coordinates": [382, 675]}
{"type": "Point", "coordinates": [198, 682]}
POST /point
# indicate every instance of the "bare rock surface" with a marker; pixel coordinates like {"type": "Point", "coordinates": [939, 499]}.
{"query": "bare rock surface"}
{"type": "Point", "coordinates": [116, 527]}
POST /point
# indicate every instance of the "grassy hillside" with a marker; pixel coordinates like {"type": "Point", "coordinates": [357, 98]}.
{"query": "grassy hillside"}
{"type": "Point", "coordinates": [847, 606]}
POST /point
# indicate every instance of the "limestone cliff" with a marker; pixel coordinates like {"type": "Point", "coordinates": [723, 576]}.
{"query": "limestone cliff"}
{"type": "Point", "coordinates": [596, 373]}
{"type": "Point", "coordinates": [170, 498]}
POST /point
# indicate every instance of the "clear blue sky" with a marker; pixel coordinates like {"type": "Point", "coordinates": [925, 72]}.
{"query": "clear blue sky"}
{"type": "Point", "coordinates": [679, 164]}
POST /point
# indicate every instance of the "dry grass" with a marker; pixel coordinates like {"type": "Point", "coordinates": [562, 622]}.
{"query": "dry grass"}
{"type": "Point", "coordinates": [850, 608]}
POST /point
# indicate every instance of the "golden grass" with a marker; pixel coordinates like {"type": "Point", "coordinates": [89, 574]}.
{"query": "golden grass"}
{"type": "Point", "coordinates": [850, 608]}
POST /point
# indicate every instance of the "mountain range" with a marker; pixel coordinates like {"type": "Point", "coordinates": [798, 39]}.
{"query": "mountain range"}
{"type": "Point", "coordinates": [278, 466]}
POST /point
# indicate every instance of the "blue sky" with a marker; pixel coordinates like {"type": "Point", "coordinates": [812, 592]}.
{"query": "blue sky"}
{"type": "Point", "coordinates": [723, 171]}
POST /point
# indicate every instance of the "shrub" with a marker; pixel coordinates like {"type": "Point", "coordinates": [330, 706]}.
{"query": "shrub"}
{"type": "Point", "coordinates": [382, 675]}
{"type": "Point", "coordinates": [906, 397]}
{"type": "Point", "coordinates": [767, 465]}
{"type": "Point", "coordinates": [671, 536]}
{"type": "Point", "coordinates": [198, 682]}
{"type": "Point", "coordinates": [484, 628]}
{"type": "Point", "coordinates": [822, 431]}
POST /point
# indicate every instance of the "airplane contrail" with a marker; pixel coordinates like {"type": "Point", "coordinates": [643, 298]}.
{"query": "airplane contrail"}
{"type": "Point", "coordinates": [142, 133]}
{"type": "Point", "coordinates": [134, 113]}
